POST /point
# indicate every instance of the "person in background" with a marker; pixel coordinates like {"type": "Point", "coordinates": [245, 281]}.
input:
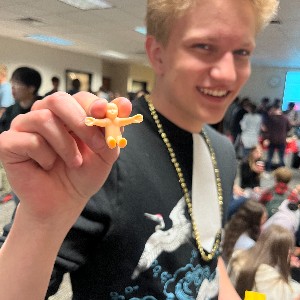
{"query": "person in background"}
{"type": "Point", "coordinates": [251, 169]}
{"type": "Point", "coordinates": [251, 127]}
{"type": "Point", "coordinates": [6, 100]}
{"type": "Point", "coordinates": [264, 107]}
{"type": "Point", "coordinates": [236, 129]}
{"type": "Point", "coordinates": [244, 228]}
{"type": "Point", "coordinates": [276, 128]}
{"type": "Point", "coordinates": [274, 196]}
{"type": "Point", "coordinates": [294, 118]}
{"type": "Point", "coordinates": [287, 216]}
{"type": "Point", "coordinates": [103, 93]}
{"type": "Point", "coordinates": [25, 82]}
{"type": "Point", "coordinates": [229, 118]}
{"type": "Point", "coordinates": [276, 102]}
{"type": "Point", "coordinates": [75, 87]}
{"type": "Point", "coordinates": [265, 268]}
{"type": "Point", "coordinates": [239, 196]}
{"type": "Point", "coordinates": [135, 237]}
{"type": "Point", "coordinates": [55, 84]}
{"type": "Point", "coordinates": [6, 97]}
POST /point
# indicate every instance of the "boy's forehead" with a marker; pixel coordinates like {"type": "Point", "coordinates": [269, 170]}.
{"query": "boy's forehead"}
{"type": "Point", "coordinates": [214, 20]}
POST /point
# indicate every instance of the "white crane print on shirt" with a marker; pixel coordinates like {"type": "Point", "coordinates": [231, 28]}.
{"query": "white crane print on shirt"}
{"type": "Point", "coordinates": [165, 241]}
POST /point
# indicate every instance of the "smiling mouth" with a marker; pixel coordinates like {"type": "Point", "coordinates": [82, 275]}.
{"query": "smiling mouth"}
{"type": "Point", "coordinates": [214, 92]}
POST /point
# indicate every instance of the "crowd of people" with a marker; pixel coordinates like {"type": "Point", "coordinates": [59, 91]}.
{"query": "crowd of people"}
{"type": "Point", "coordinates": [146, 221]}
{"type": "Point", "coordinates": [249, 124]}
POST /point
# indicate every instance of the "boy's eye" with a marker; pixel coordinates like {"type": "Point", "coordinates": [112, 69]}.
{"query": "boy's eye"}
{"type": "Point", "coordinates": [202, 46]}
{"type": "Point", "coordinates": [242, 52]}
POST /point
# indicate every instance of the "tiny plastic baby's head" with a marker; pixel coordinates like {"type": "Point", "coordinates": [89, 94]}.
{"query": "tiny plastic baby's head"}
{"type": "Point", "coordinates": [112, 111]}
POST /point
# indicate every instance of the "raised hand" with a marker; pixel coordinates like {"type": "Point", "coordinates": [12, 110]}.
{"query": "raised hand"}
{"type": "Point", "coordinates": [53, 160]}
{"type": "Point", "coordinates": [54, 163]}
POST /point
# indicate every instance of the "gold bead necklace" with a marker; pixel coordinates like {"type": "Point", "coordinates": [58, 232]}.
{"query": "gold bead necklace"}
{"type": "Point", "coordinates": [204, 256]}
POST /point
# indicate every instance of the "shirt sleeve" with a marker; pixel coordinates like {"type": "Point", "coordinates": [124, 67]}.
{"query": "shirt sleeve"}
{"type": "Point", "coordinates": [90, 228]}
{"type": "Point", "coordinates": [77, 244]}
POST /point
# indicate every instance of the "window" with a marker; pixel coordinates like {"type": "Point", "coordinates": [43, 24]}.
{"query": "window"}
{"type": "Point", "coordinates": [291, 90]}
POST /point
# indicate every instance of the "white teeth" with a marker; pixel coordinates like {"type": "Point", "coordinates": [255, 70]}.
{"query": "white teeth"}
{"type": "Point", "coordinates": [215, 93]}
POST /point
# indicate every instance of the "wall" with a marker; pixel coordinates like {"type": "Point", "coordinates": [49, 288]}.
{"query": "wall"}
{"type": "Point", "coordinates": [259, 84]}
{"type": "Point", "coordinates": [119, 73]}
{"type": "Point", "coordinates": [48, 61]}
{"type": "Point", "coordinates": [141, 73]}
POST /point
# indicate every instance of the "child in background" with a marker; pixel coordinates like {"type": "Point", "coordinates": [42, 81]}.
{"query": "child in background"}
{"type": "Point", "coordinates": [274, 196]}
{"type": "Point", "coordinates": [244, 227]}
{"type": "Point", "coordinates": [265, 267]}
{"type": "Point", "coordinates": [287, 216]}
{"type": "Point", "coordinates": [251, 169]}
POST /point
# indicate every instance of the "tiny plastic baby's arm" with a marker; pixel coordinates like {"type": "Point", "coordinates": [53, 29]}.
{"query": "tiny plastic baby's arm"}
{"type": "Point", "coordinates": [90, 121]}
{"type": "Point", "coordinates": [127, 121]}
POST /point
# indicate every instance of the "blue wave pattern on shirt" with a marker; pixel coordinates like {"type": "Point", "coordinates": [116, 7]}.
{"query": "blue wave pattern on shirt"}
{"type": "Point", "coordinates": [184, 284]}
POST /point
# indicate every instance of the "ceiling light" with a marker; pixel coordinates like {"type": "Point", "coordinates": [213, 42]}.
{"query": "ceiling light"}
{"type": "Point", "coordinates": [88, 4]}
{"type": "Point", "coordinates": [49, 39]}
{"type": "Point", "coordinates": [141, 30]}
{"type": "Point", "coordinates": [114, 54]}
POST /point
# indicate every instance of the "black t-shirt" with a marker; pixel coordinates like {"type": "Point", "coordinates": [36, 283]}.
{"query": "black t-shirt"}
{"type": "Point", "coordinates": [249, 178]}
{"type": "Point", "coordinates": [114, 251]}
{"type": "Point", "coordinates": [10, 113]}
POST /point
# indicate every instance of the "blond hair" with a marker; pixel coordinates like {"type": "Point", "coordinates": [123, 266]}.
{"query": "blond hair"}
{"type": "Point", "coordinates": [161, 15]}
{"type": "Point", "coordinates": [283, 174]}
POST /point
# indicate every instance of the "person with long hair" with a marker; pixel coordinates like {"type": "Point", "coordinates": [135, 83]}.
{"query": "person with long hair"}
{"type": "Point", "coordinates": [251, 169]}
{"type": "Point", "coordinates": [251, 128]}
{"type": "Point", "coordinates": [265, 267]}
{"type": "Point", "coordinates": [244, 227]}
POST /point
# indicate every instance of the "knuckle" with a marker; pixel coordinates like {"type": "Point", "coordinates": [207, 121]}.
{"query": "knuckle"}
{"type": "Point", "coordinates": [37, 119]}
{"type": "Point", "coordinates": [16, 121]}
{"type": "Point", "coordinates": [36, 141]}
{"type": "Point", "coordinates": [57, 98]}
{"type": "Point", "coordinates": [83, 94]}
{"type": "Point", "coordinates": [43, 115]}
{"type": "Point", "coordinates": [4, 136]}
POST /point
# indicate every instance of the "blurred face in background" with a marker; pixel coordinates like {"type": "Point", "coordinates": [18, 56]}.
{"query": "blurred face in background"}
{"type": "Point", "coordinates": [257, 153]}
{"type": "Point", "coordinates": [21, 92]}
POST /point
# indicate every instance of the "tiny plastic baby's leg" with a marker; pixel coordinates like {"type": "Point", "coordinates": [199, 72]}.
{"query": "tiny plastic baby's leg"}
{"type": "Point", "coordinates": [122, 142]}
{"type": "Point", "coordinates": [111, 142]}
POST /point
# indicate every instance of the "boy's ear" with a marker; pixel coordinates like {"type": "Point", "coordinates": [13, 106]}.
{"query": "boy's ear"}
{"type": "Point", "coordinates": [155, 54]}
{"type": "Point", "coordinates": [31, 89]}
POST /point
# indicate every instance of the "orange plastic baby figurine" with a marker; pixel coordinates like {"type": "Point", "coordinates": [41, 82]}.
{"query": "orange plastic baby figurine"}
{"type": "Point", "coordinates": [112, 124]}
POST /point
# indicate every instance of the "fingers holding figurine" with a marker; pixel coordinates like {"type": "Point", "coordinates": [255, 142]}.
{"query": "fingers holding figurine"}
{"type": "Point", "coordinates": [58, 154]}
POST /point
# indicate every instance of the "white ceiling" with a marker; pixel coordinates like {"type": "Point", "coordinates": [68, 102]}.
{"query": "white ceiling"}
{"type": "Point", "coordinates": [112, 29]}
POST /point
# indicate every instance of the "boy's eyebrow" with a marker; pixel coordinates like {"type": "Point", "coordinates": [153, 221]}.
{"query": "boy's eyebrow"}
{"type": "Point", "coordinates": [214, 39]}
